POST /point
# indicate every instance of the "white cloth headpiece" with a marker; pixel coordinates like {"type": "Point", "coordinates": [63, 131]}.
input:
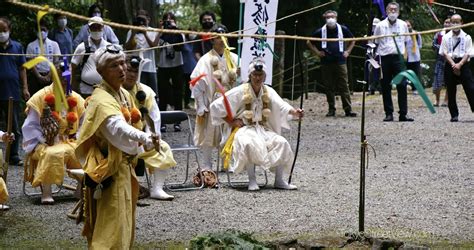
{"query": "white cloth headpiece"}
{"type": "Point", "coordinates": [110, 52]}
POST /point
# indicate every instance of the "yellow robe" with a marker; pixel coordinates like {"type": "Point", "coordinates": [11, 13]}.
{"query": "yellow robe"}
{"type": "Point", "coordinates": [110, 220]}
{"type": "Point", "coordinates": [46, 163]}
{"type": "Point", "coordinates": [153, 160]}
{"type": "Point", "coordinates": [3, 186]}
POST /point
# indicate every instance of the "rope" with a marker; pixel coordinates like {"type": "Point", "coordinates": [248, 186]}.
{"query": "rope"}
{"type": "Point", "coordinates": [453, 7]}
{"type": "Point", "coordinates": [232, 34]}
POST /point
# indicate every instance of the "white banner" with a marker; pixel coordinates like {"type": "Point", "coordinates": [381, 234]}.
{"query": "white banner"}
{"type": "Point", "coordinates": [259, 18]}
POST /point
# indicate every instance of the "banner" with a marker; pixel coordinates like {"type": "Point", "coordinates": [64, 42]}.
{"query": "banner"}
{"type": "Point", "coordinates": [258, 14]}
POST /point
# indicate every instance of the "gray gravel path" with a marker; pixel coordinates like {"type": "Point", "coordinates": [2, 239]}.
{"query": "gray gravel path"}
{"type": "Point", "coordinates": [419, 188]}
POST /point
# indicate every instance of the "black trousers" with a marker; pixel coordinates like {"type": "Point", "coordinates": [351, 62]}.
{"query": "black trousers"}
{"type": "Point", "coordinates": [14, 156]}
{"type": "Point", "coordinates": [453, 80]}
{"type": "Point", "coordinates": [170, 92]}
{"type": "Point", "coordinates": [391, 66]}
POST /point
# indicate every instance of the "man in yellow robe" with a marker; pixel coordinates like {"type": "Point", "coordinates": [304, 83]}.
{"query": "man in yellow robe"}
{"type": "Point", "coordinates": [48, 154]}
{"type": "Point", "coordinates": [106, 147]}
{"type": "Point", "coordinates": [144, 98]}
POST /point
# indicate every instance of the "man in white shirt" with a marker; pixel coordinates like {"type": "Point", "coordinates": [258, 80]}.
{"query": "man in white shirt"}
{"type": "Point", "coordinates": [40, 75]}
{"type": "Point", "coordinates": [84, 63]}
{"type": "Point", "coordinates": [144, 40]}
{"type": "Point", "coordinates": [391, 64]}
{"type": "Point", "coordinates": [455, 47]}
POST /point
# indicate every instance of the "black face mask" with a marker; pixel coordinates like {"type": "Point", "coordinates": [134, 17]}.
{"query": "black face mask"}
{"type": "Point", "coordinates": [207, 25]}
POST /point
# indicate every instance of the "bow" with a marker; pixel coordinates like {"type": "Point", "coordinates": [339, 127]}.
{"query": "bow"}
{"type": "Point", "coordinates": [301, 107]}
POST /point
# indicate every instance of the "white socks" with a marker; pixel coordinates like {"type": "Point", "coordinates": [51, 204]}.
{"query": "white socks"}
{"type": "Point", "coordinates": [206, 158]}
{"type": "Point", "coordinates": [253, 186]}
{"type": "Point", "coordinates": [46, 195]}
{"type": "Point", "coordinates": [280, 183]}
{"type": "Point", "coordinates": [157, 192]}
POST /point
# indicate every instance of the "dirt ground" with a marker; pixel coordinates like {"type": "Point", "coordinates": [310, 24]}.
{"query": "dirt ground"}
{"type": "Point", "coordinates": [419, 188]}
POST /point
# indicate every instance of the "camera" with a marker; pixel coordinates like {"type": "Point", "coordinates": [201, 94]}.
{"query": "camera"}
{"type": "Point", "coordinates": [168, 25]}
{"type": "Point", "coordinates": [139, 21]}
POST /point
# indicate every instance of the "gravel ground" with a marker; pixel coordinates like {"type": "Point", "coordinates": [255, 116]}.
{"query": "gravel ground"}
{"type": "Point", "coordinates": [419, 189]}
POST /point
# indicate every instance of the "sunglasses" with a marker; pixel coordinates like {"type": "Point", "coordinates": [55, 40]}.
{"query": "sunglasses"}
{"type": "Point", "coordinates": [113, 49]}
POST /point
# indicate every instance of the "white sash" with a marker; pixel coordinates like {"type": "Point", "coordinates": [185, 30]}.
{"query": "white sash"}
{"type": "Point", "coordinates": [324, 35]}
{"type": "Point", "coordinates": [461, 46]}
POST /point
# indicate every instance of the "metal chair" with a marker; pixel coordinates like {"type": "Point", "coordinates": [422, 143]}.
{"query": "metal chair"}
{"type": "Point", "coordinates": [174, 117]}
{"type": "Point", "coordinates": [28, 177]}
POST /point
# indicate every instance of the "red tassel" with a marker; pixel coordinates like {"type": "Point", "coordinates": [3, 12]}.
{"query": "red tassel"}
{"type": "Point", "coordinates": [196, 79]}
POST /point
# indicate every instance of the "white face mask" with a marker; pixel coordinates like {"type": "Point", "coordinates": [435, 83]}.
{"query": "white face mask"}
{"type": "Point", "coordinates": [96, 35]}
{"type": "Point", "coordinates": [62, 22]}
{"type": "Point", "coordinates": [331, 22]}
{"type": "Point", "coordinates": [4, 36]}
{"type": "Point", "coordinates": [392, 16]}
{"type": "Point", "coordinates": [43, 35]}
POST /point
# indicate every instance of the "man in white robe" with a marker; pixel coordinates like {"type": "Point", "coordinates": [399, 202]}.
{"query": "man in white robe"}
{"type": "Point", "coordinates": [259, 114]}
{"type": "Point", "coordinates": [214, 64]}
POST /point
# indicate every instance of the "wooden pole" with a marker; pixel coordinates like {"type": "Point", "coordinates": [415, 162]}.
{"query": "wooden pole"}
{"type": "Point", "coordinates": [8, 146]}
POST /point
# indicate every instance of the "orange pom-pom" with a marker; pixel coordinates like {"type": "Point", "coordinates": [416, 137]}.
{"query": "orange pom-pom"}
{"type": "Point", "coordinates": [71, 101]}
{"type": "Point", "coordinates": [135, 115]}
{"type": "Point", "coordinates": [71, 117]}
{"type": "Point", "coordinates": [126, 113]}
{"type": "Point", "coordinates": [55, 115]}
{"type": "Point", "coordinates": [49, 99]}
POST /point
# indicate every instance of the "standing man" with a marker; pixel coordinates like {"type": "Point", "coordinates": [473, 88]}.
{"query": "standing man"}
{"type": "Point", "coordinates": [107, 147]}
{"type": "Point", "coordinates": [414, 44]}
{"type": "Point", "coordinates": [62, 35]}
{"type": "Point", "coordinates": [333, 62]}
{"type": "Point", "coordinates": [207, 20]}
{"type": "Point", "coordinates": [89, 77]}
{"type": "Point", "coordinates": [40, 76]}
{"type": "Point", "coordinates": [391, 64]}
{"type": "Point", "coordinates": [455, 48]}
{"type": "Point", "coordinates": [13, 83]}
{"type": "Point", "coordinates": [214, 65]}
{"type": "Point", "coordinates": [170, 69]}
{"type": "Point", "coordinates": [108, 33]}
{"type": "Point", "coordinates": [144, 40]}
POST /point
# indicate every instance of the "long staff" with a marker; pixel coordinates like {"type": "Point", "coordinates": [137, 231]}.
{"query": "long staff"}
{"type": "Point", "coordinates": [8, 146]}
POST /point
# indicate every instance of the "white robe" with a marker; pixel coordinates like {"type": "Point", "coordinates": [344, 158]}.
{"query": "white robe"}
{"type": "Point", "coordinates": [259, 144]}
{"type": "Point", "coordinates": [204, 92]}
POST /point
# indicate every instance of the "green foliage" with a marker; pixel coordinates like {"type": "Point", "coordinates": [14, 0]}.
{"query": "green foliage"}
{"type": "Point", "coordinates": [227, 240]}
{"type": "Point", "coordinates": [24, 27]}
{"type": "Point", "coordinates": [187, 12]}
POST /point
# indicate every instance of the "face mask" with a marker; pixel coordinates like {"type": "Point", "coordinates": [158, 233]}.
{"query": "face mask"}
{"type": "Point", "coordinates": [43, 35]}
{"type": "Point", "coordinates": [192, 36]}
{"type": "Point", "coordinates": [207, 25]}
{"type": "Point", "coordinates": [4, 36]}
{"type": "Point", "coordinates": [392, 16]}
{"type": "Point", "coordinates": [456, 30]}
{"type": "Point", "coordinates": [96, 35]}
{"type": "Point", "coordinates": [96, 14]}
{"type": "Point", "coordinates": [331, 22]}
{"type": "Point", "coordinates": [62, 22]}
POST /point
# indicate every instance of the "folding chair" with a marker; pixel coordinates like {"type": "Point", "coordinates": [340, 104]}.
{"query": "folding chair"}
{"type": "Point", "coordinates": [178, 116]}
{"type": "Point", "coordinates": [235, 184]}
{"type": "Point", "coordinates": [28, 176]}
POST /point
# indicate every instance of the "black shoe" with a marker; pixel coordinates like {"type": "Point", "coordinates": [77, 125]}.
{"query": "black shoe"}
{"type": "Point", "coordinates": [177, 128]}
{"type": "Point", "coordinates": [404, 118]}
{"type": "Point", "coordinates": [16, 162]}
{"type": "Point", "coordinates": [351, 114]}
{"type": "Point", "coordinates": [454, 119]}
{"type": "Point", "coordinates": [163, 128]}
{"type": "Point", "coordinates": [388, 118]}
{"type": "Point", "coordinates": [331, 113]}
